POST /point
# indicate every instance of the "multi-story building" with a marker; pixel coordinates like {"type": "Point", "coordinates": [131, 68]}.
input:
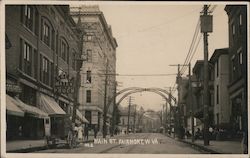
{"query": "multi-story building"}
{"type": "Point", "coordinates": [197, 89]}
{"type": "Point", "coordinates": [237, 24]}
{"type": "Point", "coordinates": [222, 111]}
{"type": "Point", "coordinates": [133, 118]}
{"type": "Point", "coordinates": [98, 73]}
{"type": "Point", "coordinates": [43, 46]}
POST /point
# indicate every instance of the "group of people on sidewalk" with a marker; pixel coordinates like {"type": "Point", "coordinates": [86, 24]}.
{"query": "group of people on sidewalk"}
{"type": "Point", "coordinates": [82, 132]}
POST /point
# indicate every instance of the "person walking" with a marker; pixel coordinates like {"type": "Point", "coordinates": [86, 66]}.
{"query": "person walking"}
{"type": "Point", "coordinates": [86, 133]}
{"type": "Point", "coordinates": [80, 133]}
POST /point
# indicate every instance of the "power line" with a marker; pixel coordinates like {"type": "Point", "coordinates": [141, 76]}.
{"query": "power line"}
{"type": "Point", "coordinates": [194, 52]}
{"type": "Point", "coordinates": [192, 45]}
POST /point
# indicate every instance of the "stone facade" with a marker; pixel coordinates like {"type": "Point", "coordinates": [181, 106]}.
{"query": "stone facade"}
{"type": "Point", "coordinates": [99, 47]}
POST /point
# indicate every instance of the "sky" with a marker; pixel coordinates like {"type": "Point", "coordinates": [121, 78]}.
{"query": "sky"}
{"type": "Point", "coordinates": [151, 36]}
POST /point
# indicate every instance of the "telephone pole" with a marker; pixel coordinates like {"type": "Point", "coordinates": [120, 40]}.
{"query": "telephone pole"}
{"type": "Point", "coordinates": [129, 105]}
{"type": "Point", "coordinates": [134, 118]}
{"type": "Point", "coordinates": [191, 101]}
{"type": "Point", "coordinates": [105, 103]}
{"type": "Point", "coordinates": [206, 26]}
{"type": "Point", "coordinates": [178, 78]}
{"type": "Point", "coordinates": [170, 106]}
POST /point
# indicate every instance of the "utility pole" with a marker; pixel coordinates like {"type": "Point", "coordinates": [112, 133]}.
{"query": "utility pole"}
{"type": "Point", "coordinates": [206, 26]}
{"type": "Point", "coordinates": [129, 105]}
{"type": "Point", "coordinates": [134, 117]}
{"type": "Point", "coordinates": [114, 111]}
{"type": "Point", "coordinates": [191, 100]}
{"type": "Point", "coordinates": [170, 106]}
{"type": "Point", "coordinates": [178, 78]}
{"type": "Point", "coordinates": [105, 103]}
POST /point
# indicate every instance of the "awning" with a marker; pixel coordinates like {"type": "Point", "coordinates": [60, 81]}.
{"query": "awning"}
{"type": "Point", "coordinates": [32, 110]}
{"type": "Point", "coordinates": [81, 117]}
{"type": "Point", "coordinates": [12, 108]}
{"type": "Point", "coordinates": [50, 106]}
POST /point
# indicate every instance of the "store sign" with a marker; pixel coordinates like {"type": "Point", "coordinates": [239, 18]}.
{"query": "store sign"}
{"type": "Point", "coordinates": [94, 117]}
{"type": "Point", "coordinates": [64, 85]}
{"type": "Point", "coordinates": [12, 86]}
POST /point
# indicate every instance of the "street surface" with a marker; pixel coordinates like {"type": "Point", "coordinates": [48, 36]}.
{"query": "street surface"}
{"type": "Point", "coordinates": [158, 144]}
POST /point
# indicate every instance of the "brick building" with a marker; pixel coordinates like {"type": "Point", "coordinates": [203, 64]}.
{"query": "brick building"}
{"type": "Point", "coordinates": [237, 24]}
{"type": "Point", "coordinates": [43, 46]}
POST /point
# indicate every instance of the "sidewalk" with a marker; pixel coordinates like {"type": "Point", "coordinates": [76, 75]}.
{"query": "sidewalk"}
{"type": "Point", "coordinates": [24, 146]}
{"type": "Point", "coordinates": [220, 147]}
{"type": "Point", "coordinates": [215, 147]}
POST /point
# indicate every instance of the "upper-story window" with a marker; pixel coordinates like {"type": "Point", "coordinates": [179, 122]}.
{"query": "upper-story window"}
{"type": "Point", "coordinates": [89, 55]}
{"type": "Point", "coordinates": [46, 34]}
{"type": "Point", "coordinates": [45, 70]}
{"type": "Point", "coordinates": [240, 19]}
{"type": "Point", "coordinates": [233, 29]}
{"type": "Point", "coordinates": [88, 76]}
{"type": "Point", "coordinates": [64, 51]}
{"type": "Point", "coordinates": [28, 14]}
{"type": "Point", "coordinates": [88, 96]}
{"type": "Point", "coordinates": [217, 68]}
{"type": "Point", "coordinates": [27, 58]}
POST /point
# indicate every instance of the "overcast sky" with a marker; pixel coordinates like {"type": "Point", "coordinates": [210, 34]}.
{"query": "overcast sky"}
{"type": "Point", "coordinates": [151, 36]}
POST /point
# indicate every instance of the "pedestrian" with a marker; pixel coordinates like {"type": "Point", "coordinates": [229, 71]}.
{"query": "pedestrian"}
{"type": "Point", "coordinates": [80, 133]}
{"type": "Point", "coordinates": [95, 131]}
{"type": "Point", "coordinates": [86, 132]}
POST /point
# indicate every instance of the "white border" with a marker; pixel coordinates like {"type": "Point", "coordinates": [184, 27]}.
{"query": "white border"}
{"type": "Point", "coordinates": [72, 155]}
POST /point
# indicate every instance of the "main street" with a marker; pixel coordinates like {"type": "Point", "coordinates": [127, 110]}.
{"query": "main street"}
{"type": "Point", "coordinates": [164, 145]}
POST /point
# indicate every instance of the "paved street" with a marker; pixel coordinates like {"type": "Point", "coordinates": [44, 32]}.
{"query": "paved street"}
{"type": "Point", "coordinates": [163, 145]}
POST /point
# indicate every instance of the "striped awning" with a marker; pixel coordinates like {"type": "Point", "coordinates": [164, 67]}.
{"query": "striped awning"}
{"type": "Point", "coordinates": [49, 105]}
{"type": "Point", "coordinates": [12, 107]}
{"type": "Point", "coordinates": [81, 117]}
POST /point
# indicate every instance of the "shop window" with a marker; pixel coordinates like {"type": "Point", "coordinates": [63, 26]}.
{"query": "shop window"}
{"type": "Point", "coordinates": [88, 116]}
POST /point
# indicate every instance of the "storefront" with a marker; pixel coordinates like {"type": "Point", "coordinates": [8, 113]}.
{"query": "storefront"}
{"type": "Point", "coordinates": [21, 118]}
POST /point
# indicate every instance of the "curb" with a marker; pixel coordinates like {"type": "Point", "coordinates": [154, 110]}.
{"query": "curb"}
{"type": "Point", "coordinates": [38, 148]}
{"type": "Point", "coordinates": [201, 147]}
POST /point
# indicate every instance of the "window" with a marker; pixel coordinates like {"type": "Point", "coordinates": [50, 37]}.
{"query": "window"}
{"type": "Point", "coordinates": [240, 57]}
{"type": "Point", "coordinates": [28, 17]}
{"type": "Point", "coordinates": [217, 94]}
{"type": "Point", "coordinates": [89, 38]}
{"type": "Point", "coordinates": [45, 70]}
{"type": "Point", "coordinates": [27, 57]}
{"type": "Point", "coordinates": [88, 96]}
{"type": "Point", "coordinates": [234, 63]}
{"type": "Point", "coordinates": [35, 63]}
{"type": "Point", "coordinates": [89, 55]}
{"type": "Point", "coordinates": [217, 68]}
{"type": "Point", "coordinates": [46, 34]}
{"type": "Point", "coordinates": [64, 51]}
{"type": "Point", "coordinates": [233, 29]}
{"type": "Point", "coordinates": [88, 77]}
{"type": "Point", "coordinates": [240, 19]}
{"type": "Point", "coordinates": [123, 121]}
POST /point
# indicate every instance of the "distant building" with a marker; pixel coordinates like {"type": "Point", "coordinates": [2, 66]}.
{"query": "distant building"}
{"type": "Point", "coordinates": [222, 110]}
{"type": "Point", "coordinates": [237, 24]}
{"type": "Point", "coordinates": [99, 48]}
{"type": "Point", "coordinates": [133, 117]}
